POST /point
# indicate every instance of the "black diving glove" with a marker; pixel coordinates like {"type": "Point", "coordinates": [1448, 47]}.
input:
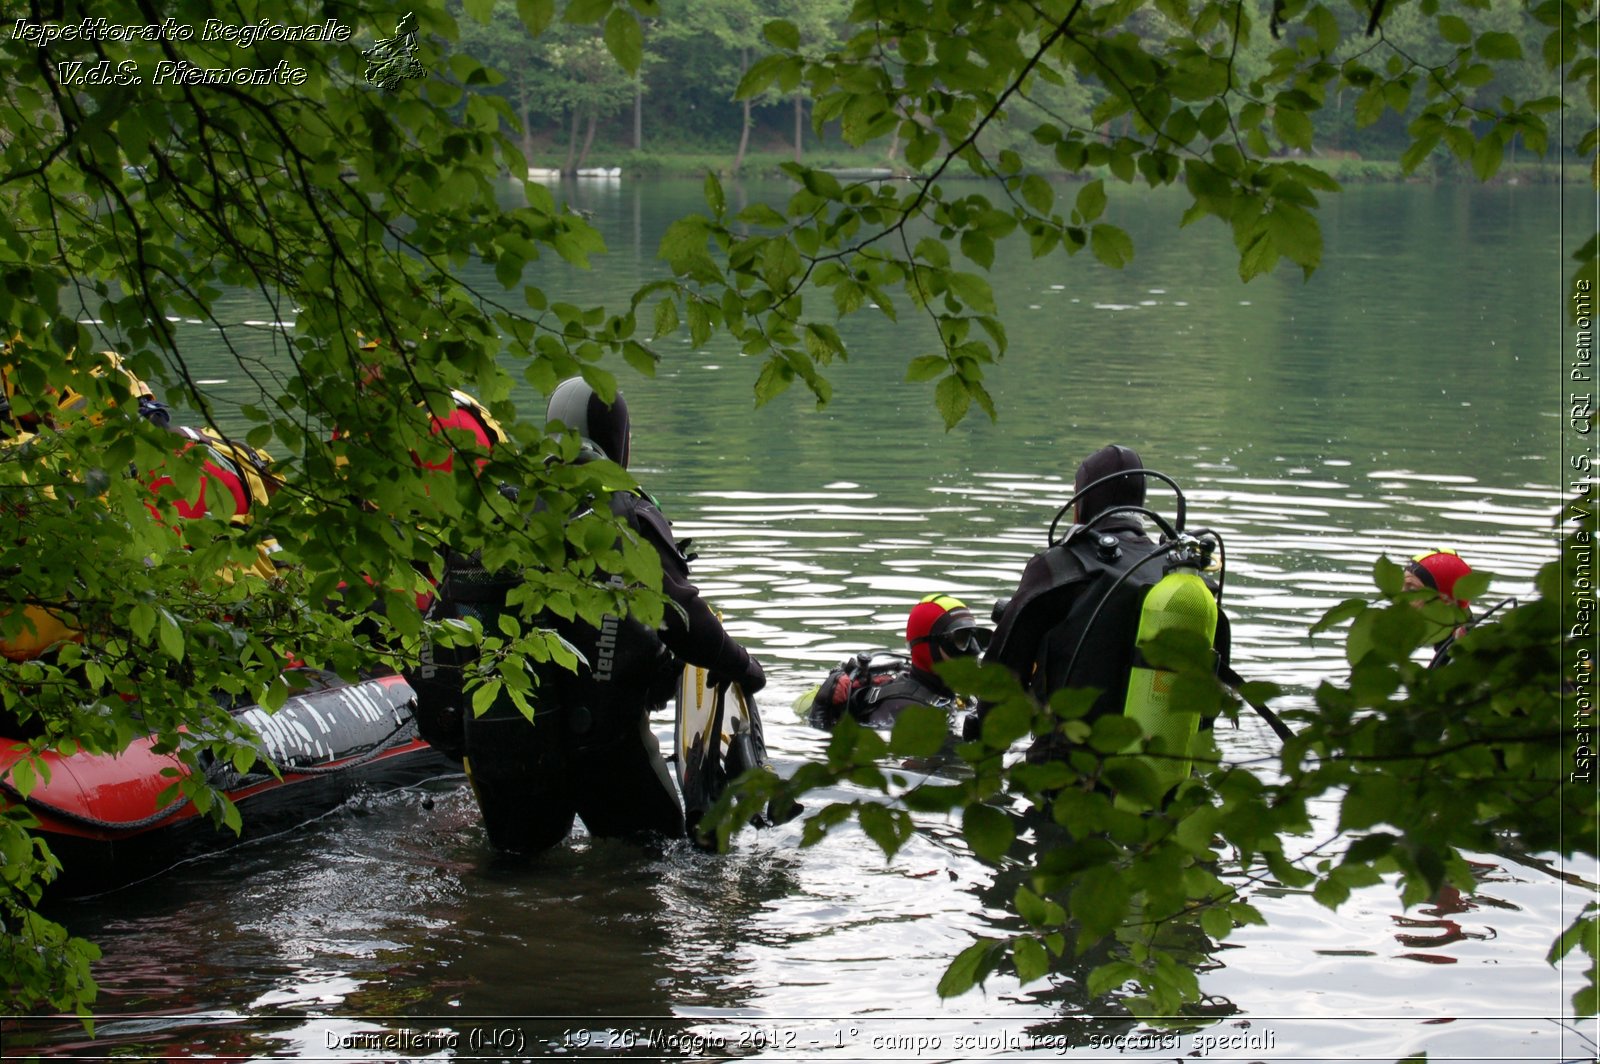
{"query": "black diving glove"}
{"type": "Point", "coordinates": [751, 680]}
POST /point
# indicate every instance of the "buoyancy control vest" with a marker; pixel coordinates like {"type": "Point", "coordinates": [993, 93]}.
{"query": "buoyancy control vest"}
{"type": "Point", "coordinates": [873, 687]}
{"type": "Point", "coordinates": [1097, 586]}
{"type": "Point", "coordinates": [1088, 603]}
{"type": "Point", "coordinates": [239, 473]}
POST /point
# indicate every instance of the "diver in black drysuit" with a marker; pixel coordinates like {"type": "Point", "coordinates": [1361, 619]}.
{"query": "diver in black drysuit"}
{"type": "Point", "coordinates": [589, 751]}
{"type": "Point", "coordinates": [1040, 633]}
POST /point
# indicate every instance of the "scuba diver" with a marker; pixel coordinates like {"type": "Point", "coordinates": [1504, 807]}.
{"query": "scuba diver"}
{"type": "Point", "coordinates": [875, 686]}
{"type": "Point", "coordinates": [589, 751]}
{"type": "Point", "coordinates": [1086, 602]}
{"type": "Point", "coordinates": [1039, 629]}
{"type": "Point", "coordinates": [1436, 570]}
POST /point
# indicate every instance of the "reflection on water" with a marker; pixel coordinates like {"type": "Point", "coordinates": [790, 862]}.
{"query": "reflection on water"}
{"type": "Point", "coordinates": [1315, 427]}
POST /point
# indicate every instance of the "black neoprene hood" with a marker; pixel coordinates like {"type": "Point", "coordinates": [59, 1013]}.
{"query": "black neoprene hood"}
{"type": "Point", "coordinates": [1124, 491]}
{"type": "Point", "coordinates": [576, 405]}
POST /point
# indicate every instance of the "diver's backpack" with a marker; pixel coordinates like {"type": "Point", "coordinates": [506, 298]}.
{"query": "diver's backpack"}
{"type": "Point", "coordinates": [1103, 582]}
{"type": "Point", "coordinates": [1112, 596]}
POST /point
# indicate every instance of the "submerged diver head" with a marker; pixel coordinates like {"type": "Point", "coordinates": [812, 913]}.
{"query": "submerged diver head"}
{"type": "Point", "coordinates": [1123, 491]}
{"type": "Point", "coordinates": [577, 406]}
{"type": "Point", "coordinates": [943, 624]}
{"type": "Point", "coordinates": [1437, 570]}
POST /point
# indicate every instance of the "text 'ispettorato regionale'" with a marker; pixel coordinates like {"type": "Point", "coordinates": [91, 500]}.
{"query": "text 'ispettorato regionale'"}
{"type": "Point", "coordinates": [177, 72]}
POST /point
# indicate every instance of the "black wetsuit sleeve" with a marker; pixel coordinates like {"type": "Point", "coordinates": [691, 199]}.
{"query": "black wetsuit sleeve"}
{"type": "Point", "coordinates": [1019, 629]}
{"type": "Point", "coordinates": [694, 635]}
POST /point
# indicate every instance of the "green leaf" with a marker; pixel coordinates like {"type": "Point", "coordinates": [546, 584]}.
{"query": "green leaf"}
{"type": "Point", "coordinates": [969, 968]}
{"type": "Point", "coordinates": [953, 400]}
{"type": "Point", "coordinates": [1030, 958]}
{"type": "Point", "coordinates": [485, 695]}
{"type": "Point", "coordinates": [170, 635]}
{"type": "Point", "coordinates": [1321, 20]}
{"type": "Point", "coordinates": [973, 291]}
{"type": "Point", "coordinates": [583, 12]}
{"type": "Point", "coordinates": [641, 358]}
{"type": "Point", "coordinates": [142, 621]}
{"type": "Point", "coordinates": [1111, 977]}
{"type": "Point", "coordinates": [1335, 616]}
{"type": "Point", "coordinates": [1388, 576]}
{"type": "Point", "coordinates": [536, 15]}
{"type": "Point", "coordinates": [23, 777]}
{"type": "Point", "coordinates": [1111, 245]}
{"type": "Point", "coordinates": [781, 33]}
{"type": "Point", "coordinates": [762, 73]}
{"type": "Point", "coordinates": [988, 831]}
{"type": "Point", "coordinates": [714, 195]}
{"type": "Point", "coordinates": [1294, 126]}
{"type": "Point", "coordinates": [666, 318]}
{"type": "Point", "coordinates": [624, 39]}
{"type": "Point", "coordinates": [979, 247]}
{"type": "Point", "coordinates": [1580, 930]}
{"type": "Point", "coordinates": [1100, 901]}
{"type": "Point", "coordinates": [1038, 193]}
{"type": "Point", "coordinates": [1215, 921]}
{"type": "Point", "coordinates": [1295, 232]}
{"type": "Point", "coordinates": [1496, 45]}
{"type": "Point", "coordinates": [926, 368]}
{"type": "Point", "coordinates": [889, 828]}
{"type": "Point", "coordinates": [1488, 155]}
{"type": "Point", "coordinates": [928, 798]}
{"type": "Point", "coordinates": [1419, 150]}
{"type": "Point", "coordinates": [1473, 585]}
{"type": "Point", "coordinates": [1454, 29]}
{"type": "Point", "coordinates": [1039, 912]}
{"type": "Point", "coordinates": [919, 731]}
{"type": "Point", "coordinates": [1091, 202]}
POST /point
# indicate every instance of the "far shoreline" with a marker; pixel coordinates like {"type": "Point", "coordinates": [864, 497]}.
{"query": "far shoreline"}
{"type": "Point", "coordinates": [622, 164]}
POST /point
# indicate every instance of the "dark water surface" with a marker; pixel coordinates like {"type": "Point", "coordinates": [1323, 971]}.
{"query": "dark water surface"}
{"type": "Point", "coordinates": [1407, 397]}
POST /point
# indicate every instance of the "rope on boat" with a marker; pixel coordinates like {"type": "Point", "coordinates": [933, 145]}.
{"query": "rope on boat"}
{"type": "Point", "coordinates": [95, 822]}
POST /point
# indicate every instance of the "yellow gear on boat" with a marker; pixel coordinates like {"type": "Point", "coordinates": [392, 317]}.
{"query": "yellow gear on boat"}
{"type": "Point", "coordinates": [68, 400]}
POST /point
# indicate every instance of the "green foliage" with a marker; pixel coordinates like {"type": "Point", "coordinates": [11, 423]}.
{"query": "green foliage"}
{"type": "Point", "coordinates": [1423, 763]}
{"type": "Point", "coordinates": [343, 209]}
{"type": "Point", "coordinates": [350, 211]}
{"type": "Point", "coordinates": [1217, 101]}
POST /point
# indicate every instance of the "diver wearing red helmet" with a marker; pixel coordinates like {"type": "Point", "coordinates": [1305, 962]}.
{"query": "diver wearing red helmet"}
{"type": "Point", "coordinates": [1440, 571]}
{"type": "Point", "coordinates": [1436, 570]}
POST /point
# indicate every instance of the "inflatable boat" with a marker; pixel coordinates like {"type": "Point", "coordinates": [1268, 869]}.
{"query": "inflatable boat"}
{"type": "Point", "coordinates": [105, 820]}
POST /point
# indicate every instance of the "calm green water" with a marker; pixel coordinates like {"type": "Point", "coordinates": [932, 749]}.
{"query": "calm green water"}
{"type": "Point", "coordinates": [1409, 396]}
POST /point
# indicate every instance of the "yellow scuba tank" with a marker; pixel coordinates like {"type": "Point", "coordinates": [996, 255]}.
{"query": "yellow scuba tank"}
{"type": "Point", "coordinates": [1180, 601]}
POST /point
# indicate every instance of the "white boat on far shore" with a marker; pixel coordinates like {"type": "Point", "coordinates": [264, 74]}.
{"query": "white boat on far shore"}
{"type": "Point", "coordinates": [601, 173]}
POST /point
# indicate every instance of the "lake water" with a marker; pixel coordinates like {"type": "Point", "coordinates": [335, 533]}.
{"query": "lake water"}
{"type": "Point", "coordinates": [1408, 397]}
